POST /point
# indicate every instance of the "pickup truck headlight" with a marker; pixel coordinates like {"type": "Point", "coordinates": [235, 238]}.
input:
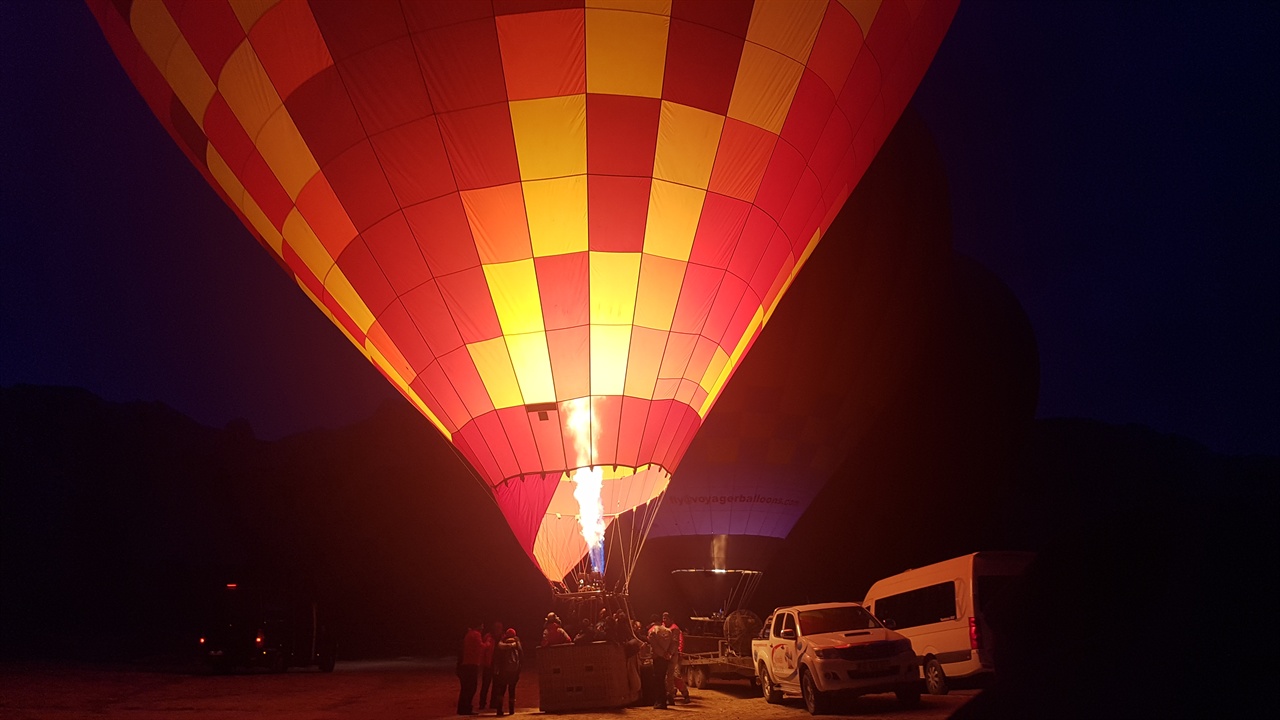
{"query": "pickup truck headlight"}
{"type": "Point", "coordinates": [827, 653]}
{"type": "Point", "coordinates": [901, 646]}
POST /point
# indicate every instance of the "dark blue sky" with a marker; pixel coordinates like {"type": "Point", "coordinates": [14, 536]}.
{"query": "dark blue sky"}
{"type": "Point", "coordinates": [1114, 163]}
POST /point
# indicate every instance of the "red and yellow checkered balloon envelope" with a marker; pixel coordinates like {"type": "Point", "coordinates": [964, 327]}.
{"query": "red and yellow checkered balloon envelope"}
{"type": "Point", "coordinates": [554, 225]}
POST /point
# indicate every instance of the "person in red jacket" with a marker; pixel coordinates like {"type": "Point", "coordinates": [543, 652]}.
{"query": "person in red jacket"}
{"type": "Point", "coordinates": [552, 633]}
{"type": "Point", "coordinates": [468, 668]}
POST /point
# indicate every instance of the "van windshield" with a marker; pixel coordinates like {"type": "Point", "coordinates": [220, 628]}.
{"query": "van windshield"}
{"type": "Point", "coordinates": [836, 619]}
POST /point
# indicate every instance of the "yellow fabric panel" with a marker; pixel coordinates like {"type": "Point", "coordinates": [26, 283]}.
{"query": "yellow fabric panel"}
{"type": "Point", "coordinates": [864, 11]}
{"type": "Point", "coordinates": [626, 52]}
{"type": "Point", "coordinates": [348, 299]}
{"type": "Point", "coordinates": [223, 174]}
{"type": "Point", "coordinates": [304, 242]}
{"type": "Point", "coordinates": [551, 136]}
{"type": "Point", "coordinates": [673, 219]}
{"type": "Point", "coordinates": [286, 152]}
{"type": "Point", "coordinates": [788, 27]}
{"type": "Point", "coordinates": [614, 277]}
{"type": "Point", "coordinates": [735, 357]}
{"type": "Point", "coordinates": [687, 142]}
{"type": "Point", "coordinates": [248, 11]}
{"type": "Point", "coordinates": [532, 363]}
{"type": "Point", "coordinates": [714, 368]}
{"type": "Point", "coordinates": [498, 224]}
{"type": "Point", "coordinates": [642, 367]}
{"type": "Point", "coordinates": [656, 7]}
{"type": "Point", "coordinates": [247, 89]}
{"type": "Point", "coordinates": [766, 84]}
{"type": "Point", "coordinates": [499, 378]}
{"type": "Point", "coordinates": [557, 211]}
{"type": "Point", "coordinates": [163, 42]}
{"type": "Point", "coordinates": [514, 289]}
{"type": "Point", "coordinates": [659, 291]}
{"type": "Point", "coordinates": [610, 345]}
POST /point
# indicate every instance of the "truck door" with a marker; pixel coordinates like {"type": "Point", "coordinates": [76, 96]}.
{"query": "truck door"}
{"type": "Point", "coordinates": [782, 648]}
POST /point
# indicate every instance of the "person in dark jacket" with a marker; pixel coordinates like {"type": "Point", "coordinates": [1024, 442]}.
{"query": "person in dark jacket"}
{"type": "Point", "coordinates": [506, 670]}
{"type": "Point", "coordinates": [488, 640]}
{"type": "Point", "coordinates": [468, 669]}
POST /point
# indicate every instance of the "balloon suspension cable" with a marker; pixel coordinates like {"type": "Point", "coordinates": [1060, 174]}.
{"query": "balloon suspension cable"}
{"type": "Point", "coordinates": [633, 538]}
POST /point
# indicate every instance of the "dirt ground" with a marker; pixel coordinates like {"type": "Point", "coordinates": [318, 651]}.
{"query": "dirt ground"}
{"type": "Point", "coordinates": [381, 690]}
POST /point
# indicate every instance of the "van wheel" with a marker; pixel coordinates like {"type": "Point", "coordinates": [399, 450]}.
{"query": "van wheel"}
{"type": "Point", "coordinates": [935, 679]}
{"type": "Point", "coordinates": [815, 702]}
{"type": "Point", "coordinates": [772, 693]}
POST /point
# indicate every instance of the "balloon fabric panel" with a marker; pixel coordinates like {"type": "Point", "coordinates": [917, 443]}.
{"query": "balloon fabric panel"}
{"type": "Point", "coordinates": [516, 207]}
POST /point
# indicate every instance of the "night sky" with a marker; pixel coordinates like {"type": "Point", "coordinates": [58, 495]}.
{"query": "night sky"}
{"type": "Point", "coordinates": [1114, 163]}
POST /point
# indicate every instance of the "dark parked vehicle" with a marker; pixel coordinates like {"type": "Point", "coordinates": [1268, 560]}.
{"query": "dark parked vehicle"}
{"type": "Point", "coordinates": [251, 628]}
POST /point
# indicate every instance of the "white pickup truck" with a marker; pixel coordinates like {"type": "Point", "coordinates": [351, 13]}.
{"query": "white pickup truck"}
{"type": "Point", "coordinates": [821, 651]}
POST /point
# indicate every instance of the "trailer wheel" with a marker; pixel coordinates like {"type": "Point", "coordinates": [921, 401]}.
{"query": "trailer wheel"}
{"type": "Point", "coordinates": [698, 677]}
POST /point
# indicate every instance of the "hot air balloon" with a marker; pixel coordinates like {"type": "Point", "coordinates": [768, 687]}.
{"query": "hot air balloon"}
{"type": "Point", "coordinates": [554, 226]}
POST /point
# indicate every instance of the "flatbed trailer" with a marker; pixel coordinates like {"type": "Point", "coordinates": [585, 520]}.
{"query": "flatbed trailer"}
{"type": "Point", "coordinates": [700, 667]}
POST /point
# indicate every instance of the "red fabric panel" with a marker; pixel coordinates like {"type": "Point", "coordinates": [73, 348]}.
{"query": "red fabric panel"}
{"type": "Point", "coordinates": [475, 447]}
{"type": "Point", "coordinates": [401, 329]}
{"type": "Point", "coordinates": [524, 503]}
{"type": "Point", "coordinates": [696, 296]}
{"type": "Point", "coordinates": [810, 110]}
{"type": "Point", "coordinates": [435, 381]}
{"type": "Point", "coordinates": [731, 16]}
{"type": "Point", "coordinates": [444, 235]}
{"type": "Point", "coordinates": [741, 159]}
{"type": "Point", "coordinates": [516, 426]}
{"type": "Point", "coordinates": [414, 161]}
{"type": "Point", "coordinates": [775, 256]}
{"type": "Point", "coordinates": [606, 417]}
{"type": "Point", "coordinates": [657, 417]}
{"type": "Point", "coordinates": [780, 180]}
{"type": "Point", "coordinates": [467, 295]}
{"type": "Point", "coordinates": [675, 359]}
{"type": "Point", "coordinates": [888, 33]}
{"type": "Point", "coordinates": [676, 414]}
{"type": "Point", "coordinates": [427, 14]}
{"type": "Point", "coordinates": [349, 27]}
{"type": "Point", "coordinates": [357, 180]}
{"type": "Point", "coordinates": [795, 220]}
{"type": "Point", "coordinates": [721, 223]}
{"type": "Point", "coordinates": [462, 373]}
{"type": "Point", "coordinates": [546, 435]}
{"type": "Point", "coordinates": [281, 37]}
{"type": "Point", "coordinates": [212, 31]}
{"type": "Point", "coordinates": [343, 318]}
{"type": "Point", "coordinates": [618, 208]}
{"type": "Point", "coordinates": [261, 183]}
{"type": "Point", "coordinates": [702, 64]}
{"type": "Point", "coordinates": [622, 134]}
{"type": "Point", "coordinates": [570, 351]}
{"type": "Point", "coordinates": [755, 237]}
{"type": "Point", "coordinates": [324, 116]}
{"type": "Point", "coordinates": [544, 54]}
{"type": "Point", "coordinates": [635, 412]}
{"type": "Point", "coordinates": [227, 135]}
{"type": "Point", "coordinates": [862, 85]}
{"type": "Point", "coordinates": [326, 216]}
{"type": "Point", "coordinates": [481, 146]}
{"type": "Point", "coordinates": [462, 65]}
{"type": "Point", "coordinates": [831, 147]}
{"type": "Point", "coordinates": [499, 444]}
{"type": "Point", "coordinates": [304, 275]}
{"type": "Point", "coordinates": [426, 306]}
{"type": "Point", "coordinates": [386, 85]}
{"type": "Point", "coordinates": [564, 286]}
{"type": "Point", "coordinates": [722, 310]}
{"type": "Point", "coordinates": [357, 263]}
{"type": "Point", "coordinates": [397, 253]}
{"type": "Point", "coordinates": [506, 7]}
{"type": "Point", "coordinates": [836, 46]}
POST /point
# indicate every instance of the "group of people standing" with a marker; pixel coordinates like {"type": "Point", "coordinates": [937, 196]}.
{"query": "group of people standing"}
{"type": "Point", "coordinates": [490, 658]}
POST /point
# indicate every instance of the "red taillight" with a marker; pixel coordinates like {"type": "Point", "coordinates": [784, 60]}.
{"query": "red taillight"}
{"type": "Point", "coordinates": [201, 641]}
{"type": "Point", "coordinates": [975, 639]}
{"type": "Point", "coordinates": [257, 641]}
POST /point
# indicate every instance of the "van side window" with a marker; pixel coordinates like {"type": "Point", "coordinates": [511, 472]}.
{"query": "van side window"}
{"type": "Point", "coordinates": [922, 606]}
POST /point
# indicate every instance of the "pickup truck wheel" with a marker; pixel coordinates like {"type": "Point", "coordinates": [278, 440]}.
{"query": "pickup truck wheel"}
{"type": "Point", "coordinates": [772, 693]}
{"type": "Point", "coordinates": [817, 703]}
{"type": "Point", "coordinates": [935, 679]}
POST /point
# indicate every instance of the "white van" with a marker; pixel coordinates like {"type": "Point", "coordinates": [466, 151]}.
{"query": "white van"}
{"type": "Point", "coordinates": [940, 608]}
